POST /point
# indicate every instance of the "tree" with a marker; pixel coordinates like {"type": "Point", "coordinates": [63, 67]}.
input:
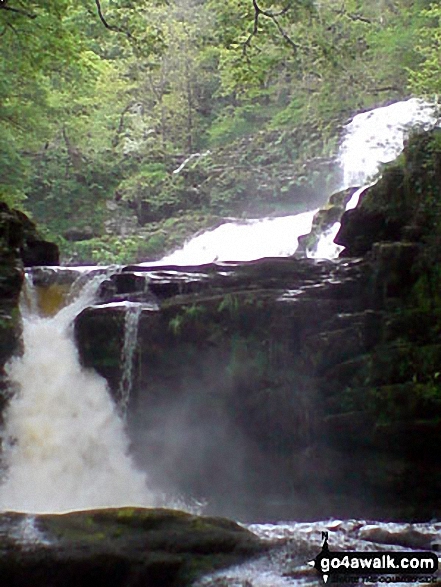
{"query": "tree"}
{"type": "Point", "coordinates": [426, 77]}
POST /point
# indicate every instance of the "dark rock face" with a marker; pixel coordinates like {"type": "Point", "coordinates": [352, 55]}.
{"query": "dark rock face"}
{"type": "Point", "coordinates": [292, 387]}
{"type": "Point", "coordinates": [404, 205]}
{"type": "Point", "coordinates": [17, 231]}
{"type": "Point", "coordinates": [324, 220]}
{"type": "Point", "coordinates": [361, 228]}
{"type": "Point", "coordinates": [20, 245]}
{"type": "Point", "coordinates": [11, 277]}
{"type": "Point", "coordinates": [124, 547]}
{"type": "Point", "coordinates": [241, 385]}
{"type": "Point", "coordinates": [39, 252]}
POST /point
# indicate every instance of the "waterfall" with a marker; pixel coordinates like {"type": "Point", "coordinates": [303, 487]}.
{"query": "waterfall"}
{"type": "Point", "coordinates": [245, 240]}
{"type": "Point", "coordinates": [131, 323]}
{"type": "Point", "coordinates": [378, 136]}
{"type": "Point", "coordinates": [64, 443]}
{"type": "Point", "coordinates": [371, 139]}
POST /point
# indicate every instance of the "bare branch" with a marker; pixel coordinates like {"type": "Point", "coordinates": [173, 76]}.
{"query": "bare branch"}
{"type": "Point", "coordinates": [272, 16]}
{"type": "Point", "coordinates": [384, 89]}
{"type": "Point", "coordinates": [3, 6]}
{"type": "Point", "coordinates": [108, 26]}
{"type": "Point", "coordinates": [285, 35]}
{"type": "Point", "coordinates": [12, 27]}
{"type": "Point", "coordinates": [355, 17]}
{"type": "Point", "coordinates": [276, 14]}
{"type": "Point", "coordinates": [116, 138]}
{"type": "Point", "coordinates": [257, 13]}
{"type": "Point", "coordinates": [359, 18]}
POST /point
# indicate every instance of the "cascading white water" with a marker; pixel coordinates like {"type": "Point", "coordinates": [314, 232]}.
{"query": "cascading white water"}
{"type": "Point", "coordinates": [131, 323]}
{"type": "Point", "coordinates": [378, 136]}
{"type": "Point", "coordinates": [298, 543]}
{"type": "Point", "coordinates": [65, 446]}
{"type": "Point", "coordinates": [371, 139]}
{"type": "Point", "coordinates": [245, 241]}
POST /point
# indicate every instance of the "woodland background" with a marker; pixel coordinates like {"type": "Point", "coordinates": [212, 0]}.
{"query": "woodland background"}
{"type": "Point", "coordinates": [102, 103]}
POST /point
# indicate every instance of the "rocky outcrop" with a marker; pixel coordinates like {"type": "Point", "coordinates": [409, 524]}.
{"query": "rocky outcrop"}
{"type": "Point", "coordinates": [20, 245]}
{"type": "Point", "coordinates": [11, 276]}
{"type": "Point", "coordinates": [306, 388]}
{"type": "Point", "coordinates": [323, 221]}
{"type": "Point", "coordinates": [19, 235]}
{"type": "Point", "coordinates": [126, 547]}
{"type": "Point", "coordinates": [236, 353]}
{"type": "Point", "coordinates": [404, 205]}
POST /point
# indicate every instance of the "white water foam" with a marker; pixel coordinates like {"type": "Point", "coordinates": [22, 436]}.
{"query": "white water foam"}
{"type": "Point", "coordinates": [371, 139]}
{"type": "Point", "coordinates": [378, 136]}
{"type": "Point", "coordinates": [298, 543]}
{"type": "Point", "coordinates": [245, 241]}
{"type": "Point", "coordinates": [65, 447]}
{"type": "Point", "coordinates": [131, 323]}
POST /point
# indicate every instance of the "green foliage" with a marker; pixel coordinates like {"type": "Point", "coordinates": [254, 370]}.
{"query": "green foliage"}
{"type": "Point", "coordinates": [292, 115]}
{"type": "Point", "coordinates": [230, 304]}
{"type": "Point", "coordinates": [398, 403]}
{"type": "Point", "coordinates": [92, 114]}
{"type": "Point", "coordinates": [426, 78]}
{"type": "Point", "coordinates": [176, 324]}
{"type": "Point", "coordinates": [426, 292]}
{"type": "Point", "coordinates": [189, 315]}
{"type": "Point", "coordinates": [113, 249]}
{"type": "Point", "coordinates": [233, 124]}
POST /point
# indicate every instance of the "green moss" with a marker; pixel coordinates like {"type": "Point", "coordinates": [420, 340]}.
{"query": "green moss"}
{"type": "Point", "coordinates": [126, 513]}
{"type": "Point", "coordinates": [230, 303]}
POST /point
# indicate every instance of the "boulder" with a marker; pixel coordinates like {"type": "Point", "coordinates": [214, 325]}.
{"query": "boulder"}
{"type": "Point", "coordinates": [18, 232]}
{"type": "Point", "coordinates": [36, 252]}
{"type": "Point", "coordinates": [126, 547]}
{"type": "Point", "coordinates": [323, 220]}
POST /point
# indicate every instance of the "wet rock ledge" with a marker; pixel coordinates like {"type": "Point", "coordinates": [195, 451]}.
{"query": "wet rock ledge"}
{"type": "Point", "coordinates": [125, 547]}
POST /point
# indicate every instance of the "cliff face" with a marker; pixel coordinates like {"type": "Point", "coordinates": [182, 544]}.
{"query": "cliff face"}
{"type": "Point", "coordinates": [295, 387]}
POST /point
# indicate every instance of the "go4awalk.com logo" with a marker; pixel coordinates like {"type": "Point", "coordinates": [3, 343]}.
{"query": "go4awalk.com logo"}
{"type": "Point", "coordinates": [409, 566]}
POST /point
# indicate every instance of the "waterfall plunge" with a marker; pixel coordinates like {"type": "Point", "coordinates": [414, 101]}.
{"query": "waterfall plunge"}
{"type": "Point", "coordinates": [65, 446]}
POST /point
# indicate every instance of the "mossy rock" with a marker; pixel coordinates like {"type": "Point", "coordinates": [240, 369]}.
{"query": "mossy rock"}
{"type": "Point", "coordinates": [125, 547]}
{"type": "Point", "coordinates": [18, 232]}
{"type": "Point", "coordinates": [324, 219]}
{"type": "Point", "coordinates": [403, 204]}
